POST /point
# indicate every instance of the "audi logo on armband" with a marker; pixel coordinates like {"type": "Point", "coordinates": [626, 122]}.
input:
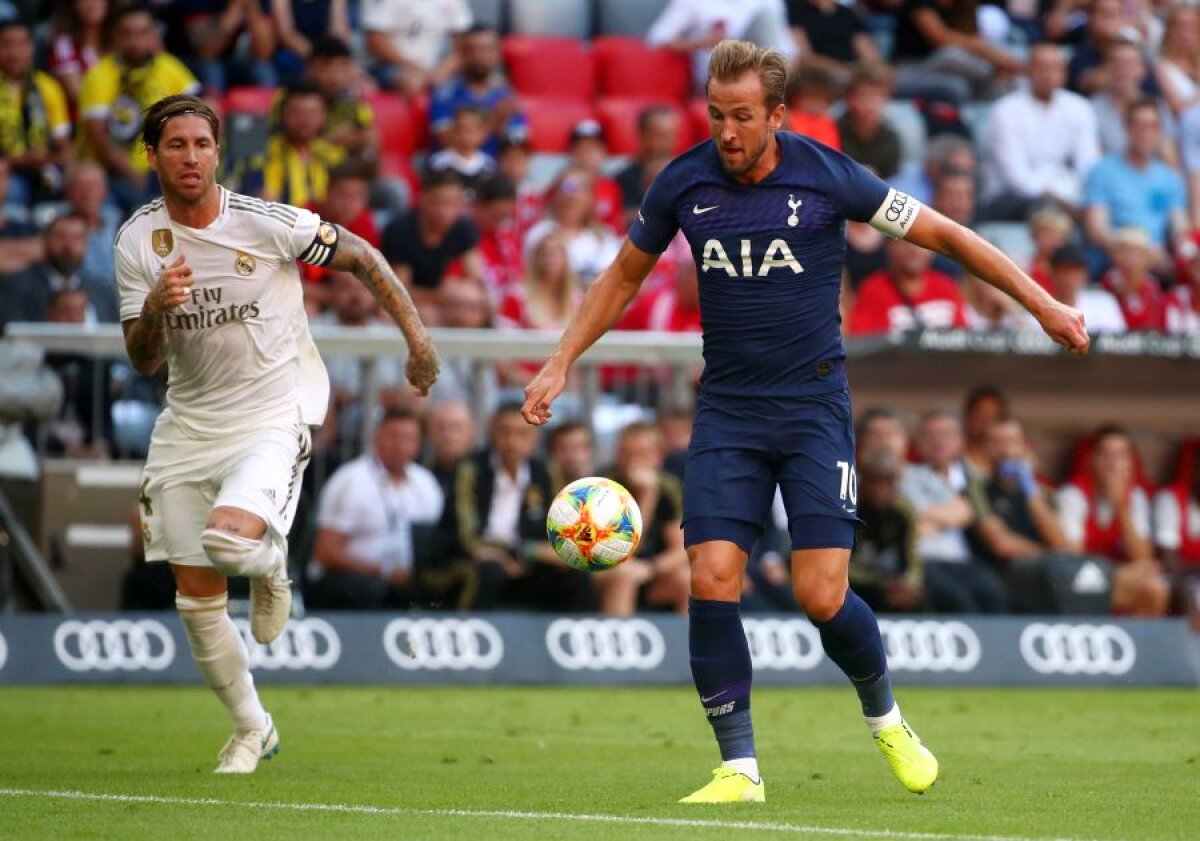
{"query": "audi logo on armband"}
{"type": "Point", "coordinates": [455, 644]}
{"type": "Point", "coordinates": [896, 207]}
{"type": "Point", "coordinates": [600, 644]}
{"type": "Point", "coordinates": [121, 644]}
{"type": "Point", "coordinates": [781, 644]}
{"type": "Point", "coordinates": [1077, 649]}
{"type": "Point", "coordinates": [308, 643]}
{"type": "Point", "coordinates": [926, 645]}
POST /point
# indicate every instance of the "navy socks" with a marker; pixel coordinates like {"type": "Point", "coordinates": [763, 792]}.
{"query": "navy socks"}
{"type": "Point", "coordinates": [721, 670]}
{"type": "Point", "coordinates": [851, 639]}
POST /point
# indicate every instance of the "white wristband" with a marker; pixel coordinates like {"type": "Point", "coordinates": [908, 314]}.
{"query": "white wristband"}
{"type": "Point", "coordinates": [896, 215]}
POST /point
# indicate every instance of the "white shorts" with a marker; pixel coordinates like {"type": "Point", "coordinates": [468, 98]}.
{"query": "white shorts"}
{"type": "Point", "coordinates": [185, 478]}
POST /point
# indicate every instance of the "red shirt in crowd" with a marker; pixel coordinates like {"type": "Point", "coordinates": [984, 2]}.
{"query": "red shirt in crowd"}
{"type": "Point", "coordinates": [659, 310]}
{"type": "Point", "coordinates": [502, 258]}
{"type": "Point", "coordinates": [363, 226]}
{"type": "Point", "coordinates": [880, 307]}
{"type": "Point", "coordinates": [1182, 311]}
{"type": "Point", "coordinates": [1144, 308]}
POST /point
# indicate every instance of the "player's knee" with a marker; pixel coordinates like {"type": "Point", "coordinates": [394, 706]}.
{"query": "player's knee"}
{"type": "Point", "coordinates": [717, 583]}
{"type": "Point", "coordinates": [820, 599]}
{"type": "Point", "coordinates": [230, 554]}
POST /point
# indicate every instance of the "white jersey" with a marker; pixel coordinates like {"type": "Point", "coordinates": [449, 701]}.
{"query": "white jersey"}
{"type": "Point", "coordinates": [239, 353]}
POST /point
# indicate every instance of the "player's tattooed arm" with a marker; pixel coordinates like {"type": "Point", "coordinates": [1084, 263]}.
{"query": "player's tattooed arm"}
{"type": "Point", "coordinates": [145, 336]}
{"type": "Point", "coordinates": [357, 256]}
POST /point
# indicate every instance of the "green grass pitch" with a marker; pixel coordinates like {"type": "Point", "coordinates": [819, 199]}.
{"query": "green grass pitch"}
{"type": "Point", "coordinates": [529, 763]}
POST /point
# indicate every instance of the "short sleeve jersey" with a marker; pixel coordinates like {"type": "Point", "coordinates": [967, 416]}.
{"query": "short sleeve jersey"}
{"type": "Point", "coordinates": [769, 258]}
{"type": "Point", "coordinates": [239, 353]}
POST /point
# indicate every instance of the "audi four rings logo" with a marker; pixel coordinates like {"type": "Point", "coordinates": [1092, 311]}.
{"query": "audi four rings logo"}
{"type": "Point", "coordinates": [925, 645]}
{"type": "Point", "coordinates": [1077, 649]}
{"type": "Point", "coordinates": [597, 644]}
{"type": "Point", "coordinates": [783, 643]}
{"type": "Point", "coordinates": [106, 646]}
{"type": "Point", "coordinates": [455, 644]}
{"type": "Point", "coordinates": [308, 643]}
{"type": "Point", "coordinates": [896, 207]}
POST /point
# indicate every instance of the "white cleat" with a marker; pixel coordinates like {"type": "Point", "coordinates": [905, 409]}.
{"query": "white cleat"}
{"type": "Point", "coordinates": [270, 603]}
{"type": "Point", "coordinates": [246, 747]}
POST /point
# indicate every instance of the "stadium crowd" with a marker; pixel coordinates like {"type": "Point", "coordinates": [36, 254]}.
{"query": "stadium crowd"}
{"type": "Point", "coordinates": [495, 151]}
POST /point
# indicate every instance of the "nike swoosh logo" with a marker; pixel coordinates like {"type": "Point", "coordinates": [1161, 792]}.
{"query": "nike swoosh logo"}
{"type": "Point", "coordinates": [697, 209]}
{"type": "Point", "coordinates": [704, 700]}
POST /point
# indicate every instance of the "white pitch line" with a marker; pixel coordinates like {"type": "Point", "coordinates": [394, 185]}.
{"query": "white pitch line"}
{"type": "Point", "coordinates": [399, 811]}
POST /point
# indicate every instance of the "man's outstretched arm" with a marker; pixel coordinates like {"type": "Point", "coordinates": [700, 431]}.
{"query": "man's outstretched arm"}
{"type": "Point", "coordinates": [602, 306]}
{"type": "Point", "coordinates": [1062, 323]}
{"type": "Point", "coordinates": [360, 258]}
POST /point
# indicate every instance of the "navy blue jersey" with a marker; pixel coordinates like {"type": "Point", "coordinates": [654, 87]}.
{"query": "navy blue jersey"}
{"type": "Point", "coordinates": [769, 257]}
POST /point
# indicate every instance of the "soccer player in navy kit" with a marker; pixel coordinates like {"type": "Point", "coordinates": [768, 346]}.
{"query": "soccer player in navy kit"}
{"type": "Point", "coordinates": [764, 212]}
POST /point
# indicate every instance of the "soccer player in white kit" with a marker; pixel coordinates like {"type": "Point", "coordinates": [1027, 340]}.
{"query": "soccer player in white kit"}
{"type": "Point", "coordinates": [209, 285]}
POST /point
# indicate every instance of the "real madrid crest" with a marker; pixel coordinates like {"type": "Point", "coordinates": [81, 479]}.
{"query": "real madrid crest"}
{"type": "Point", "coordinates": [163, 241]}
{"type": "Point", "coordinates": [244, 264]}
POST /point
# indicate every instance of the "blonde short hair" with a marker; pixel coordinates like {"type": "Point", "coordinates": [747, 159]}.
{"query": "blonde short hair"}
{"type": "Point", "coordinates": [732, 59]}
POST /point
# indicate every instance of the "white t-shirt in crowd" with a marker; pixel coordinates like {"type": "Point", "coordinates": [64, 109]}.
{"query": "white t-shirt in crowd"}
{"type": "Point", "coordinates": [420, 29]}
{"type": "Point", "coordinates": [1073, 512]}
{"type": "Point", "coordinates": [1167, 519]}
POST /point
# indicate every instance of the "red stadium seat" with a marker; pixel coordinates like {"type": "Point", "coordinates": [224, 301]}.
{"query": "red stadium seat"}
{"type": "Point", "coordinates": [698, 114]}
{"type": "Point", "coordinates": [618, 115]}
{"type": "Point", "coordinates": [560, 67]}
{"type": "Point", "coordinates": [551, 119]}
{"type": "Point", "coordinates": [395, 122]}
{"type": "Point", "coordinates": [629, 67]}
{"type": "Point", "coordinates": [249, 100]}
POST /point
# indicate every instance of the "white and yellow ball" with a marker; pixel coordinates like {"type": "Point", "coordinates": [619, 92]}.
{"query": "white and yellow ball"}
{"type": "Point", "coordinates": [594, 523]}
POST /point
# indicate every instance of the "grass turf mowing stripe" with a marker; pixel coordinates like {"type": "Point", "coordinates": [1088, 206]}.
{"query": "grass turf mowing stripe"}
{"type": "Point", "coordinates": [400, 811]}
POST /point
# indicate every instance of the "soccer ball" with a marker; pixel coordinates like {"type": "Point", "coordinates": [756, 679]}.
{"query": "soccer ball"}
{"type": "Point", "coordinates": [594, 524]}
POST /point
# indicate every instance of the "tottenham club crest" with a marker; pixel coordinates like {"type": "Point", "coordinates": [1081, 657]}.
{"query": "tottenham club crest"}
{"type": "Point", "coordinates": [163, 241]}
{"type": "Point", "coordinates": [794, 203]}
{"type": "Point", "coordinates": [244, 264]}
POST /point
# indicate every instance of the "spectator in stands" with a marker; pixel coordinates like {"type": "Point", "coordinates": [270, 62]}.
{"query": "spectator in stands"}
{"type": "Point", "coordinates": [672, 309]}
{"type": "Point", "coordinates": [1105, 511]}
{"type": "Point", "coordinates": [84, 424]}
{"type": "Point", "coordinates": [1137, 290]}
{"type": "Point", "coordinates": [496, 519]}
{"type": "Point", "coordinates": [863, 130]}
{"type": "Point", "coordinates": [1177, 534]}
{"type": "Point", "coordinates": [294, 168]}
{"type": "Point", "coordinates": [1126, 72]}
{"type": "Point", "coordinates": [409, 41]}
{"type": "Point", "coordinates": [1106, 25]}
{"type": "Point", "coordinates": [512, 162]}
{"type": "Point", "coordinates": [464, 303]}
{"type": "Point", "coordinates": [368, 520]}
{"type": "Point", "coordinates": [1136, 188]}
{"type": "Point", "coordinates": [1189, 148]}
{"type": "Point", "coordinates": [135, 75]}
{"type": "Point", "coordinates": [35, 127]}
{"type": "Point", "coordinates": [940, 55]}
{"type": "Point", "coordinates": [832, 35]}
{"type": "Point", "coordinates": [1178, 67]}
{"type": "Point", "coordinates": [1050, 228]}
{"type": "Point", "coordinates": [86, 194]}
{"type": "Point", "coordinates": [945, 152]}
{"type": "Point", "coordinates": [588, 153]}
{"type": "Point", "coordinates": [982, 407]}
{"type": "Point", "coordinates": [349, 118]}
{"type": "Point", "coordinates": [346, 203]}
{"type": "Point", "coordinates": [658, 137]}
{"type": "Point", "coordinates": [422, 244]}
{"type": "Point", "coordinates": [300, 25]}
{"type": "Point", "coordinates": [549, 291]}
{"type": "Point", "coordinates": [22, 245]}
{"type": "Point", "coordinates": [479, 82]}
{"type": "Point", "coordinates": [1183, 303]}
{"type": "Point", "coordinates": [450, 433]}
{"type": "Point", "coordinates": [810, 93]}
{"type": "Point", "coordinates": [26, 295]}
{"type": "Point", "coordinates": [571, 210]}
{"type": "Point", "coordinates": [658, 574]}
{"type": "Point", "coordinates": [571, 452]}
{"type": "Point", "coordinates": [1041, 142]}
{"type": "Point", "coordinates": [675, 423]}
{"type": "Point", "coordinates": [499, 238]}
{"type": "Point", "coordinates": [79, 38]}
{"type": "Point", "coordinates": [987, 308]}
{"type": "Point", "coordinates": [885, 568]}
{"type": "Point", "coordinates": [954, 197]}
{"type": "Point", "coordinates": [882, 428]}
{"type": "Point", "coordinates": [695, 27]}
{"type": "Point", "coordinates": [205, 34]}
{"type": "Point", "coordinates": [1013, 520]}
{"type": "Point", "coordinates": [955, 581]}
{"type": "Point", "coordinates": [463, 153]}
{"type": "Point", "coordinates": [1069, 284]}
{"type": "Point", "coordinates": [907, 294]}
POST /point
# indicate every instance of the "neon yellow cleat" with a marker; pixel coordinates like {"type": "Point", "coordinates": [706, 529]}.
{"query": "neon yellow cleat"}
{"type": "Point", "coordinates": [912, 763]}
{"type": "Point", "coordinates": [729, 786]}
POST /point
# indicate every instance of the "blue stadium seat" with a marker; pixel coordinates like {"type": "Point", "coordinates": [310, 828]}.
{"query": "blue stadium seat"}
{"type": "Point", "coordinates": [563, 18]}
{"type": "Point", "coordinates": [490, 12]}
{"type": "Point", "coordinates": [627, 17]}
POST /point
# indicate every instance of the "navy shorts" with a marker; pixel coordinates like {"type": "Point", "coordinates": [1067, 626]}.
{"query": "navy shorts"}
{"type": "Point", "coordinates": [742, 448]}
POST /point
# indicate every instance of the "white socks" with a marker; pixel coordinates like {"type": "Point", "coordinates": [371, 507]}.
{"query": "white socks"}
{"type": "Point", "coordinates": [220, 654]}
{"type": "Point", "coordinates": [880, 722]}
{"type": "Point", "coordinates": [746, 765]}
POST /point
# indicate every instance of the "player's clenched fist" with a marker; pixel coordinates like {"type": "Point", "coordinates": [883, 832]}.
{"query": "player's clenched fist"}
{"type": "Point", "coordinates": [422, 367]}
{"type": "Point", "coordinates": [174, 287]}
